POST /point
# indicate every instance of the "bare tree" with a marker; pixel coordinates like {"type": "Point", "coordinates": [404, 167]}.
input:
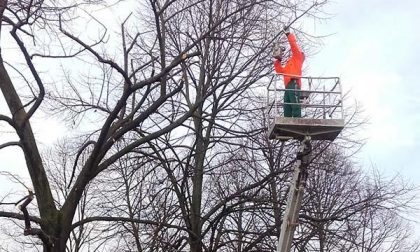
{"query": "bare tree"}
{"type": "Point", "coordinates": [167, 148]}
{"type": "Point", "coordinates": [343, 202]}
{"type": "Point", "coordinates": [232, 63]}
{"type": "Point", "coordinates": [129, 98]}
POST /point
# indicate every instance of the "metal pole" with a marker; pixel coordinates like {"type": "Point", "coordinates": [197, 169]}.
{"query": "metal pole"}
{"type": "Point", "coordinates": [341, 97]}
{"type": "Point", "coordinates": [294, 201]}
{"type": "Point", "coordinates": [275, 98]}
{"type": "Point", "coordinates": [323, 102]}
{"type": "Point", "coordinates": [268, 105]}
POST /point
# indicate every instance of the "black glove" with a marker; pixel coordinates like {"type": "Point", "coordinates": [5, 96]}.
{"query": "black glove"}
{"type": "Point", "coordinates": [286, 30]}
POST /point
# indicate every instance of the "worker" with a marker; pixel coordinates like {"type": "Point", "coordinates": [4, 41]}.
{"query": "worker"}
{"type": "Point", "coordinates": [291, 71]}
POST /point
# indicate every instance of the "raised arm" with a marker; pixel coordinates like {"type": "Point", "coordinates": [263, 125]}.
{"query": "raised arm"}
{"type": "Point", "coordinates": [293, 45]}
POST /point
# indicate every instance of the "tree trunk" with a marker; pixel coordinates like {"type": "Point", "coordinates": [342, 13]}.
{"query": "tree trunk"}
{"type": "Point", "coordinates": [321, 237]}
{"type": "Point", "coordinates": [196, 222]}
{"type": "Point", "coordinates": [50, 216]}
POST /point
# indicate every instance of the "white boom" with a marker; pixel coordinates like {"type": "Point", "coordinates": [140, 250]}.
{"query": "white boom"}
{"type": "Point", "coordinates": [294, 200]}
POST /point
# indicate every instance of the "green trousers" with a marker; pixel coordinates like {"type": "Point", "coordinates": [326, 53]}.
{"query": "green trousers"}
{"type": "Point", "coordinates": [292, 96]}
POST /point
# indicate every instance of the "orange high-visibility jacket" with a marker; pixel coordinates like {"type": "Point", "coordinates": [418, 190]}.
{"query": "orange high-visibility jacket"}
{"type": "Point", "coordinates": [294, 63]}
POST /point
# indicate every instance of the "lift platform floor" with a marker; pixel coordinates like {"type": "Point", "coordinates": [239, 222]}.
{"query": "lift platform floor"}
{"type": "Point", "coordinates": [297, 128]}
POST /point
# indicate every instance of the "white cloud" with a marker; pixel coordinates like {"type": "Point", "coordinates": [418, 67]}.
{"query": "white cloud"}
{"type": "Point", "coordinates": [48, 130]}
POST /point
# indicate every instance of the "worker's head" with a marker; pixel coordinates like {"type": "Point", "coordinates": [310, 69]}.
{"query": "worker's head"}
{"type": "Point", "coordinates": [278, 51]}
{"type": "Point", "coordinates": [282, 50]}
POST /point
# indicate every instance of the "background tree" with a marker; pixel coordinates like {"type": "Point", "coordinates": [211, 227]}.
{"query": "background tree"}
{"type": "Point", "coordinates": [166, 148]}
{"type": "Point", "coordinates": [126, 95]}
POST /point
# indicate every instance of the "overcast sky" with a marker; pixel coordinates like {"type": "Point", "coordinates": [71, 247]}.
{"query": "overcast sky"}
{"type": "Point", "coordinates": [375, 50]}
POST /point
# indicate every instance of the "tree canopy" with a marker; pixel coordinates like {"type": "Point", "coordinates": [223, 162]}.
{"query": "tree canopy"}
{"type": "Point", "coordinates": [165, 147]}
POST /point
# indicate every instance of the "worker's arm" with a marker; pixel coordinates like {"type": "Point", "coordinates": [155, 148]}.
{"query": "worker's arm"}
{"type": "Point", "coordinates": [293, 45]}
{"type": "Point", "coordinates": [277, 66]}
